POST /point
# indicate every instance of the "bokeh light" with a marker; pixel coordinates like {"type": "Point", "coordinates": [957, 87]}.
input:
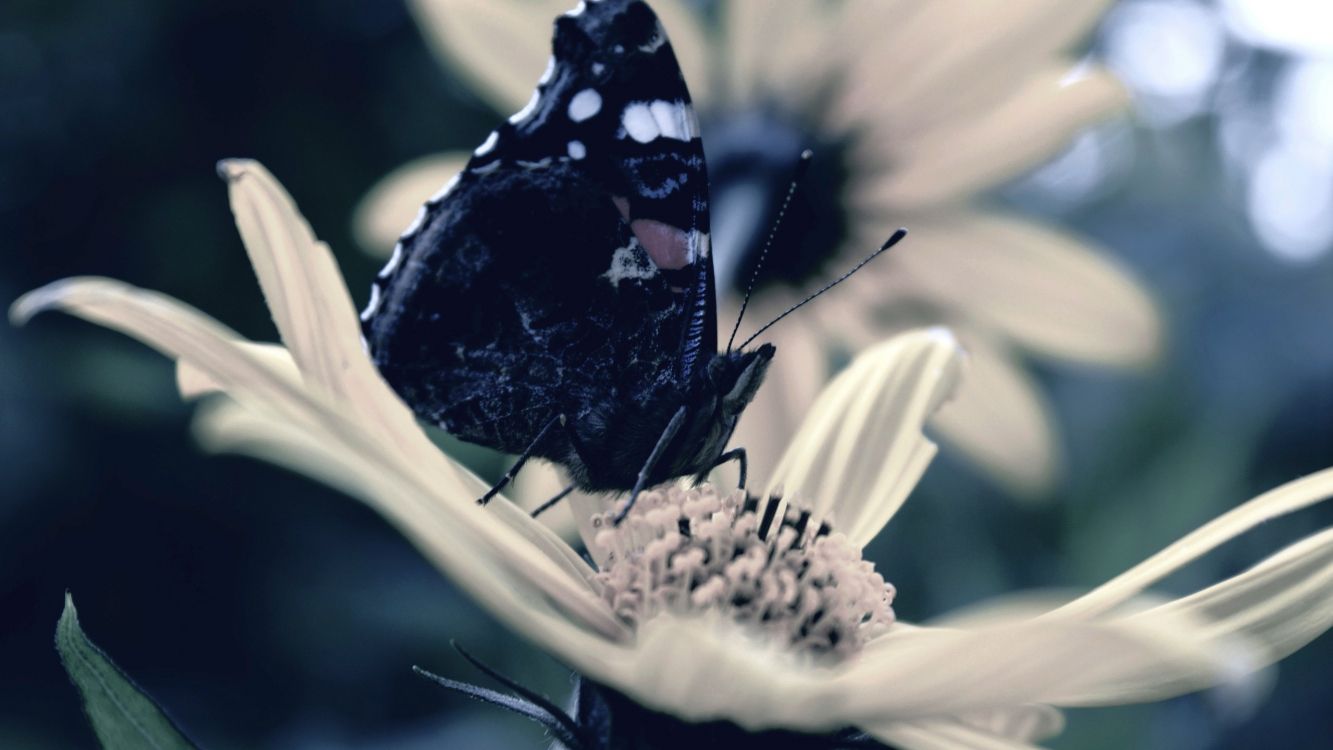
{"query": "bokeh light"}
{"type": "Point", "coordinates": [1170, 52]}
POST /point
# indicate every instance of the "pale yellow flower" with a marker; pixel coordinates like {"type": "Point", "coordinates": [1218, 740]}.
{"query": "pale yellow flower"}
{"type": "Point", "coordinates": [988, 678]}
{"type": "Point", "coordinates": [913, 108]}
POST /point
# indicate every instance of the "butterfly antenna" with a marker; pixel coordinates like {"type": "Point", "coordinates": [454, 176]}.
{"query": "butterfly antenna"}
{"type": "Point", "coordinates": [801, 167]}
{"type": "Point", "coordinates": [890, 242]}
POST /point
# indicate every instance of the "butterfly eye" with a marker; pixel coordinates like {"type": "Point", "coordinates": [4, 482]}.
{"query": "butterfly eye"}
{"type": "Point", "coordinates": [717, 373]}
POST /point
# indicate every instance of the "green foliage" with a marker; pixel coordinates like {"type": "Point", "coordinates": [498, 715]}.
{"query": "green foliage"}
{"type": "Point", "coordinates": [122, 715]}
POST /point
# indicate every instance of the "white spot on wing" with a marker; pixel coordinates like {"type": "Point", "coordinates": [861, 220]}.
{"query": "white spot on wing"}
{"type": "Point", "coordinates": [639, 123]}
{"type": "Point", "coordinates": [485, 148]}
{"type": "Point", "coordinates": [373, 304]}
{"type": "Point", "coordinates": [394, 260]}
{"type": "Point", "coordinates": [674, 119]}
{"type": "Point", "coordinates": [577, 150]}
{"type": "Point", "coordinates": [417, 221]}
{"type": "Point", "coordinates": [644, 121]}
{"type": "Point", "coordinates": [585, 104]}
{"type": "Point", "coordinates": [443, 191]}
{"type": "Point", "coordinates": [578, 10]}
{"type": "Point", "coordinates": [597, 68]}
{"type": "Point", "coordinates": [527, 110]}
{"type": "Point", "coordinates": [543, 164]}
{"type": "Point", "coordinates": [546, 74]}
{"type": "Point", "coordinates": [659, 38]}
{"type": "Point", "coordinates": [487, 168]}
{"type": "Point", "coordinates": [525, 318]}
{"type": "Point", "coordinates": [698, 245]}
{"type": "Point", "coordinates": [629, 262]}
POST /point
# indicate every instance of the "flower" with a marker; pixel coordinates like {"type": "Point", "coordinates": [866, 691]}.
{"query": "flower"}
{"type": "Point", "coordinates": [911, 109]}
{"type": "Point", "coordinates": [987, 678]}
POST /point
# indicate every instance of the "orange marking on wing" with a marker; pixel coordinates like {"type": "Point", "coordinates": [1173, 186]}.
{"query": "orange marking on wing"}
{"type": "Point", "coordinates": [668, 246]}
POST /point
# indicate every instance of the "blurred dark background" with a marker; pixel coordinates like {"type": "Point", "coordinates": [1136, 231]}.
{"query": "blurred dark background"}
{"type": "Point", "coordinates": [268, 612]}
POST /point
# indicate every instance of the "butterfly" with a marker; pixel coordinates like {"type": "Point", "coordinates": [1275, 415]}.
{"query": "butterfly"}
{"type": "Point", "coordinates": [556, 300]}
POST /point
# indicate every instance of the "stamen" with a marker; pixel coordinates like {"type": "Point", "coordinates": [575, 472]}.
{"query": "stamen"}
{"type": "Point", "coordinates": [769, 510]}
{"type": "Point", "coordinates": [688, 550]}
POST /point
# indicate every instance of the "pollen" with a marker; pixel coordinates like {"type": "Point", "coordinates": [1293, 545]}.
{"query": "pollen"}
{"type": "Point", "coordinates": [761, 562]}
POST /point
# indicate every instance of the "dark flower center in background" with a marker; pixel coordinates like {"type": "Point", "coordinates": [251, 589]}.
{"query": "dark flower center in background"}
{"type": "Point", "coordinates": [752, 156]}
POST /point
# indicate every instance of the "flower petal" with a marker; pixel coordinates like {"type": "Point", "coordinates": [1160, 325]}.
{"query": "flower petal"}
{"type": "Point", "coordinates": [298, 275]}
{"type": "Point", "coordinates": [978, 152]}
{"type": "Point", "coordinates": [936, 671]}
{"type": "Point", "coordinates": [1001, 422]}
{"type": "Point", "coordinates": [943, 734]}
{"type": "Point", "coordinates": [1045, 289]}
{"type": "Point", "coordinates": [183, 333]}
{"type": "Point", "coordinates": [501, 533]}
{"type": "Point", "coordinates": [501, 45]}
{"type": "Point", "coordinates": [1279, 605]}
{"type": "Point", "coordinates": [1285, 499]}
{"type": "Point", "coordinates": [193, 382]}
{"type": "Point", "coordinates": [170, 326]}
{"type": "Point", "coordinates": [704, 667]}
{"type": "Point", "coordinates": [1029, 723]}
{"type": "Point", "coordinates": [310, 304]}
{"type": "Point", "coordinates": [1021, 724]}
{"type": "Point", "coordinates": [315, 316]}
{"type": "Point", "coordinates": [952, 55]}
{"type": "Point", "coordinates": [745, 23]}
{"type": "Point", "coordinates": [861, 449]}
{"type": "Point", "coordinates": [1249, 621]}
{"type": "Point", "coordinates": [770, 46]}
{"type": "Point", "coordinates": [435, 529]}
{"type": "Point", "coordinates": [798, 56]}
{"type": "Point", "coordinates": [387, 209]}
{"type": "Point", "coordinates": [1000, 419]}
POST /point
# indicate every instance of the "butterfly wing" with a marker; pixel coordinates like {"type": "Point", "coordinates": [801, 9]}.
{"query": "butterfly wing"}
{"type": "Point", "coordinates": [568, 265]}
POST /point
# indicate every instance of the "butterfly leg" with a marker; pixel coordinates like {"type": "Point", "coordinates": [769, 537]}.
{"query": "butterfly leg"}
{"type": "Point", "coordinates": [540, 509]}
{"type": "Point", "coordinates": [672, 428]}
{"type": "Point", "coordinates": [522, 459]}
{"type": "Point", "coordinates": [576, 444]}
{"type": "Point", "coordinates": [735, 454]}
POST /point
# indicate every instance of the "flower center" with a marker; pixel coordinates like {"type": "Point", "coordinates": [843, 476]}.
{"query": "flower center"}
{"type": "Point", "coordinates": [690, 550]}
{"type": "Point", "coordinates": [752, 156]}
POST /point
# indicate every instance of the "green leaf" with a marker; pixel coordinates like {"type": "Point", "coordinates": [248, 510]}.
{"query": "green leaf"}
{"type": "Point", "coordinates": [122, 715]}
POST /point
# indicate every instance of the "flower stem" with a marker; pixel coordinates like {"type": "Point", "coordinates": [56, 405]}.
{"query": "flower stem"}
{"type": "Point", "coordinates": [612, 721]}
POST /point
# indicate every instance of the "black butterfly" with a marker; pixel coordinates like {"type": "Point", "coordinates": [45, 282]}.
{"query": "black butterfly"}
{"type": "Point", "coordinates": [557, 299]}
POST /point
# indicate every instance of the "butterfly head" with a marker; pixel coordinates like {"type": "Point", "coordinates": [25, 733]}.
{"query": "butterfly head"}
{"type": "Point", "coordinates": [735, 376]}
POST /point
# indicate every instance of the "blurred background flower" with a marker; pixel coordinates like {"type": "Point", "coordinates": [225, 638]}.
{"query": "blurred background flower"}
{"type": "Point", "coordinates": [113, 118]}
{"type": "Point", "coordinates": [911, 110]}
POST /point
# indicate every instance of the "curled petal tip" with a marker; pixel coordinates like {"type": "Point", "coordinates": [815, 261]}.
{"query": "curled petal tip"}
{"type": "Point", "coordinates": [1080, 71]}
{"type": "Point", "coordinates": [232, 169]}
{"type": "Point", "coordinates": [945, 344]}
{"type": "Point", "coordinates": [944, 337]}
{"type": "Point", "coordinates": [38, 300]}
